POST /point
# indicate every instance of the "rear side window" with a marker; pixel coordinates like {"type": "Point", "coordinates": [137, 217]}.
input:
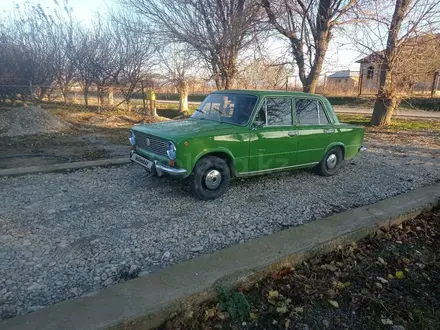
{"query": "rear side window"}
{"type": "Point", "coordinates": [310, 112]}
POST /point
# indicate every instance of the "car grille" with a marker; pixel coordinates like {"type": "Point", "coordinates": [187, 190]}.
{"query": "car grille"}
{"type": "Point", "coordinates": [151, 143]}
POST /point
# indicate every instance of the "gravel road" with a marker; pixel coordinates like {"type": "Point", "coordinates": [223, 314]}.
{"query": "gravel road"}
{"type": "Point", "coordinates": [67, 235]}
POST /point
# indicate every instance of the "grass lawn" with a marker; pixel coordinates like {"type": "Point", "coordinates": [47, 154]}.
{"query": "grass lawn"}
{"type": "Point", "coordinates": [397, 124]}
{"type": "Point", "coordinates": [388, 281]}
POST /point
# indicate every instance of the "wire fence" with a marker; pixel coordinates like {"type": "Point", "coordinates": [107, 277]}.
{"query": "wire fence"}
{"type": "Point", "coordinates": [141, 98]}
{"type": "Point", "coordinates": [136, 98]}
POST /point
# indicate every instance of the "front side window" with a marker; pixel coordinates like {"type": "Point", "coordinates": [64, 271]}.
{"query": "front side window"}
{"type": "Point", "coordinates": [227, 107]}
{"type": "Point", "coordinates": [310, 112]}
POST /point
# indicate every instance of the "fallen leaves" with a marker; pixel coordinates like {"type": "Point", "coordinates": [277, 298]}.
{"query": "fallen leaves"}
{"type": "Point", "coordinates": [282, 309]}
{"type": "Point", "coordinates": [334, 303]}
{"type": "Point", "coordinates": [355, 284]}
{"type": "Point", "coordinates": [386, 321]}
{"type": "Point", "coordinates": [273, 294]}
{"type": "Point", "coordinates": [381, 280]}
{"type": "Point", "coordinates": [299, 309]}
{"type": "Point", "coordinates": [400, 275]}
{"type": "Point", "coordinates": [210, 313]}
{"type": "Point", "coordinates": [330, 267]}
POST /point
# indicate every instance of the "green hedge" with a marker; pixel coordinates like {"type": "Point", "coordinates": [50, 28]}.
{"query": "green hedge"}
{"type": "Point", "coordinates": [420, 103]}
{"type": "Point", "coordinates": [175, 97]}
{"type": "Point", "coordinates": [168, 113]}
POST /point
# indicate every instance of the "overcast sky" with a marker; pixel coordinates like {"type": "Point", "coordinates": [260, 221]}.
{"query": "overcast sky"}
{"type": "Point", "coordinates": [341, 54]}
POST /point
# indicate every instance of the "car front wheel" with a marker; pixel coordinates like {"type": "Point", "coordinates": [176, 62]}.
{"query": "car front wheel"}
{"type": "Point", "coordinates": [331, 163]}
{"type": "Point", "coordinates": [210, 178]}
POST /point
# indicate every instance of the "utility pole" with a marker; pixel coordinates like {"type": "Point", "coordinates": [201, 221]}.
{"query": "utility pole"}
{"type": "Point", "coordinates": [434, 84]}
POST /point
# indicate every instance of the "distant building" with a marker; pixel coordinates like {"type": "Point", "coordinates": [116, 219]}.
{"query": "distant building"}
{"type": "Point", "coordinates": [416, 72]}
{"type": "Point", "coordinates": [370, 68]}
{"type": "Point", "coordinates": [345, 80]}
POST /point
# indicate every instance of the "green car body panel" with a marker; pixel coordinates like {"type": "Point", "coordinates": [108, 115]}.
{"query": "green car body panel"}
{"type": "Point", "coordinates": [252, 150]}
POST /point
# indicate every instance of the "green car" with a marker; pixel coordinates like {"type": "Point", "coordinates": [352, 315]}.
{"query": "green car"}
{"type": "Point", "coordinates": [239, 133]}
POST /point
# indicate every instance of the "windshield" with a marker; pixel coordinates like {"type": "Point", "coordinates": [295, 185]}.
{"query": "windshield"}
{"type": "Point", "coordinates": [228, 108]}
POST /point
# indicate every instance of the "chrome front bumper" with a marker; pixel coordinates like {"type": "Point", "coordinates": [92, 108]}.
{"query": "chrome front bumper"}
{"type": "Point", "coordinates": [362, 148]}
{"type": "Point", "coordinates": [159, 169]}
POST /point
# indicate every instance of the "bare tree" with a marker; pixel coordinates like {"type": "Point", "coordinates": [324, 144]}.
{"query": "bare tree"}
{"type": "Point", "coordinates": [409, 34]}
{"type": "Point", "coordinates": [29, 51]}
{"type": "Point", "coordinates": [309, 26]}
{"type": "Point", "coordinates": [59, 32]}
{"type": "Point", "coordinates": [179, 67]}
{"type": "Point", "coordinates": [82, 57]}
{"type": "Point", "coordinates": [264, 73]}
{"type": "Point", "coordinates": [217, 30]}
{"type": "Point", "coordinates": [135, 53]}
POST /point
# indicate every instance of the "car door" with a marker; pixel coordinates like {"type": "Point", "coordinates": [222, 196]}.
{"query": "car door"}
{"type": "Point", "coordinates": [273, 137]}
{"type": "Point", "coordinates": [314, 128]}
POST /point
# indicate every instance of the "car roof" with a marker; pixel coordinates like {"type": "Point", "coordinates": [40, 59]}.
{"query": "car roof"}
{"type": "Point", "coordinates": [260, 92]}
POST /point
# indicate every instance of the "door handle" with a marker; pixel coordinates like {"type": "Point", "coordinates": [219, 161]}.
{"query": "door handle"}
{"type": "Point", "coordinates": [293, 133]}
{"type": "Point", "coordinates": [328, 131]}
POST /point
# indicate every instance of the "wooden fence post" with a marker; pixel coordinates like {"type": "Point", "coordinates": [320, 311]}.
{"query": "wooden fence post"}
{"type": "Point", "coordinates": [143, 98]}
{"type": "Point", "coordinates": [361, 81]}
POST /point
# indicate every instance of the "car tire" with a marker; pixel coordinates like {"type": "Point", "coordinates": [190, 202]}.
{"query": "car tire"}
{"type": "Point", "coordinates": [331, 163]}
{"type": "Point", "coordinates": [210, 178]}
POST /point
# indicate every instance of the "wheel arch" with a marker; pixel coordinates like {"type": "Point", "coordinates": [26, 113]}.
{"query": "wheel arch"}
{"type": "Point", "coordinates": [218, 152]}
{"type": "Point", "coordinates": [336, 144]}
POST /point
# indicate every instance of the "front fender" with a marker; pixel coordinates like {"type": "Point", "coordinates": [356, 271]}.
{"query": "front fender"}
{"type": "Point", "coordinates": [217, 150]}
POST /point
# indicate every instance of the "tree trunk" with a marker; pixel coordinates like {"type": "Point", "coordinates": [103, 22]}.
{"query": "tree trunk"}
{"type": "Point", "coordinates": [217, 82]}
{"type": "Point", "coordinates": [110, 96]}
{"type": "Point", "coordinates": [64, 93]}
{"type": "Point", "coordinates": [86, 96]}
{"type": "Point", "coordinates": [318, 61]}
{"type": "Point", "coordinates": [128, 105]}
{"type": "Point", "coordinates": [387, 101]}
{"type": "Point", "coordinates": [100, 99]}
{"type": "Point", "coordinates": [227, 83]}
{"type": "Point", "coordinates": [383, 110]}
{"type": "Point", "coordinates": [182, 88]}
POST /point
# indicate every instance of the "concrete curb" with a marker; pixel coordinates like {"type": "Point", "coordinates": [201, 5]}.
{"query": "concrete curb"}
{"type": "Point", "coordinates": [146, 302]}
{"type": "Point", "coordinates": [63, 167]}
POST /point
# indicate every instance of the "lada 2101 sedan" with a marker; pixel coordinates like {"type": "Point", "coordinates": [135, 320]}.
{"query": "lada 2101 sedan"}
{"type": "Point", "coordinates": [242, 133]}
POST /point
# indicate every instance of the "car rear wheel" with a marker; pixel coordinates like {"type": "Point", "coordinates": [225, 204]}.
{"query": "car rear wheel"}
{"type": "Point", "coordinates": [210, 178]}
{"type": "Point", "coordinates": [331, 163]}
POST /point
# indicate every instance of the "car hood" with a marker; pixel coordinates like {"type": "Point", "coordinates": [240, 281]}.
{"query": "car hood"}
{"type": "Point", "coordinates": [175, 130]}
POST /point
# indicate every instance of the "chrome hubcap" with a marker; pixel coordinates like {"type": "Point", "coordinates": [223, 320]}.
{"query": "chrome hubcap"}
{"type": "Point", "coordinates": [213, 179]}
{"type": "Point", "coordinates": [331, 161]}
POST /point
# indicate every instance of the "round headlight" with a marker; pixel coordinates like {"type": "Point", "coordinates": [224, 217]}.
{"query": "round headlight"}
{"type": "Point", "coordinates": [132, 138]}
{"type": "Point", "coordinates": [171, 152]}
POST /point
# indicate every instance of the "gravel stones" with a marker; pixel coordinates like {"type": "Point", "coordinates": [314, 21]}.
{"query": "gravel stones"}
{"type": "Point", "coordinates": [29, 121]}
{"type": "Point", "coordinates": [67, 235]}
